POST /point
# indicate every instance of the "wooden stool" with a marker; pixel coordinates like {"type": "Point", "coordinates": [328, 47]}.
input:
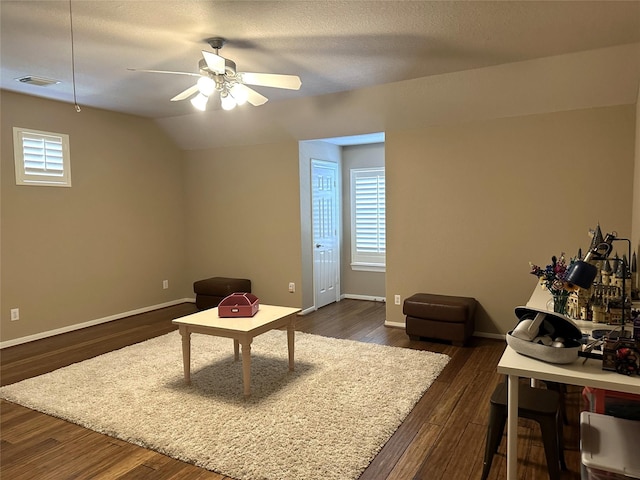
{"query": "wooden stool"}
{"type": "Point", "coordinates": [540, 405]}
{"type": "Point", "coordinates": [561, 388]}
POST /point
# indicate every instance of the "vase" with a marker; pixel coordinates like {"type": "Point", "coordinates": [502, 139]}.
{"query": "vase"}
{"type": "Point", "coordinates": [560, 303]}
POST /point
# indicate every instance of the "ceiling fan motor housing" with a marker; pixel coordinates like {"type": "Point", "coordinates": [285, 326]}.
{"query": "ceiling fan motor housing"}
{"type": "Point", "coordinates": [216, 42]}
{"type": "Point", "coordinates": [228, 77]}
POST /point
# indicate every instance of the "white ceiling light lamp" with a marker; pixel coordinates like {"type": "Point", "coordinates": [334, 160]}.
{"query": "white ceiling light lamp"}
{"type": "Point", "coordinates": [200, 102]}
{"type": "Point", "coordinates": [206, 86]}
{"type": "Point", "coordinates": [232, 96]}
{"type": "Point", "coordinates": [239, 94]}
{"type": "Point", "coordinates": [227, 101]}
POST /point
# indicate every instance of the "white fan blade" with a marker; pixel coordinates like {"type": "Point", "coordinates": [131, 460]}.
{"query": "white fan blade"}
{"type": "Point", "coordinates": [185, 94]}
{"type": "Point", "coordinates": [253, 97]}
{"type": "Point", "coordinates": [215, 62]}
{"type": "Point", "coordinates": [291, 82]}
{"type": "Point", "coordinates": [164, 71]}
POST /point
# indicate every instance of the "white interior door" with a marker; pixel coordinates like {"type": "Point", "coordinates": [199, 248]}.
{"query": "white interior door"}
{"type": "Point", "coordinates": [326, 222]}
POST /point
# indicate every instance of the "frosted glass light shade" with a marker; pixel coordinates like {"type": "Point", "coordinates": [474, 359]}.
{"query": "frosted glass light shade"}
{"type": "Point", "coordinates": [206, 86]}
{"type": "Point", "coordinates": [239, 94]}
{"type": "Point", "coordinates": [200, 101]}
{"type": "Point", "coordinates": [227, 101]}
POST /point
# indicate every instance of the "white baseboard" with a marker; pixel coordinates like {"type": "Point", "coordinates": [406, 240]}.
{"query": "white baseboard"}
{"type": "Point", "coordinates": [394, 324]}
{"type": "Point", "coordinates": [363, 297]}
{"type": "Point", "coordinates": [307, 311]}
{"type": "Point", "coordinates": [496, 336]}
{"type": "Point", "coordinates": [90, 323]}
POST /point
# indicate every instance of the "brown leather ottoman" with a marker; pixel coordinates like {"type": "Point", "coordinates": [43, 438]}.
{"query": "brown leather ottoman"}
{"type": "Point", "coordinates": [442, 317]}
{"type": "Point", "coordinates": [211, 291]}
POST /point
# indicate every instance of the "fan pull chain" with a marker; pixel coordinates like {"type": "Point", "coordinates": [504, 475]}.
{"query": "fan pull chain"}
{"type": "Point", "coordinates": [73, 62]}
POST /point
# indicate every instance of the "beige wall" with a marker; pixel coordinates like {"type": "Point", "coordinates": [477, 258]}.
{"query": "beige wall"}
{"type": "Point", "coordinates": [103, 246]}
{"type": "Point", "coordinates": [470, 200]}
{"type": "Point", "coordinates": [468, 206]}
{"type": "Point", "coordinates": [243, 218]}
{"type": "Point", "coordinates": [356, 282]}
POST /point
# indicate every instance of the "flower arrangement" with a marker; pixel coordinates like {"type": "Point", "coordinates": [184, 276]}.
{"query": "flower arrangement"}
{"type": "Point", "coordinates": [552, 277]}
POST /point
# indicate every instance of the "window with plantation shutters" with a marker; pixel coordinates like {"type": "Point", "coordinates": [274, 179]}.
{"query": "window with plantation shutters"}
{"type": "Point", "coordinates": [368, 228]}
{"type": "Point", "coordinates": [41, 158]}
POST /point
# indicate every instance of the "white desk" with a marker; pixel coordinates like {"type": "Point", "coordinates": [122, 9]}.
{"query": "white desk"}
{"type": "Point", "coordinates": [589, 374]}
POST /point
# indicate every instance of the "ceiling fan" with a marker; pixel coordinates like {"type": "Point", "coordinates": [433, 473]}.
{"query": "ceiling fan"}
{"type": "Point", "coordinates": [218, 74]}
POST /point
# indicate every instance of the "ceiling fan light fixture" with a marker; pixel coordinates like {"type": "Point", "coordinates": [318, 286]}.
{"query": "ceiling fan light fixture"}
{"type": "Point", "coordinates": [239, 94]}
{"type": "Point", "coordinates": [200, 102]}
{"type": "Point", "coordinates": [219, 74]}
{"type": "Point", "coordinates": [206, 86]}
{"type": "Point", "coordinates": [227, 101]}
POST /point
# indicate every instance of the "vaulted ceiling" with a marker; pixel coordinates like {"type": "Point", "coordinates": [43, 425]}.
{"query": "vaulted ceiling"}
{"type": "Point", "coordinates": [333, 46]}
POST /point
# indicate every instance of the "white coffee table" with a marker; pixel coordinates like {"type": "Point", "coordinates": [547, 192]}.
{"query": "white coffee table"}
{"type": "Point", "coordinates": [241, 330]}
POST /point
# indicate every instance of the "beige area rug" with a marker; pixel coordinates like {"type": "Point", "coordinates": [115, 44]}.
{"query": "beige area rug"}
{"type": "Point", "coordinates": [327, 420]}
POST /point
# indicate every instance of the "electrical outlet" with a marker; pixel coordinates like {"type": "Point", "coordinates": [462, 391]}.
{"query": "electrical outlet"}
{"type": "Point", "coordinates": [165, 284]}
{"type": "Point", "coordinates": [292, 287]}
{"type": "Point", "coordinates": [15, 314]}
{"type": "Point", "coordinates": [396, 299]}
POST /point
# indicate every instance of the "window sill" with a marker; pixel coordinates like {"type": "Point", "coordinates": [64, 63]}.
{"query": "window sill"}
{"type": "Point", "coordinates": [368, 267]}
{"type": "Point", "coordinates": [44, 183]}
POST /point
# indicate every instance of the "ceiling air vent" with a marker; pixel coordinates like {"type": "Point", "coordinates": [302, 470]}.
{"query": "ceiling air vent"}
{"type": "Point", "coordinates": [38, 81]}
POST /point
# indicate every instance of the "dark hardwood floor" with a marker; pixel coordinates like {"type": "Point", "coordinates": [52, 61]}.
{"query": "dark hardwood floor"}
{"type": "Point", "coordinates": [442, 438]}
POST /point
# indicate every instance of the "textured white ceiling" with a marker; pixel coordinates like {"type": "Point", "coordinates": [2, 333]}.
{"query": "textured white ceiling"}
{"type": "Point", "coordinates": [334, 46]}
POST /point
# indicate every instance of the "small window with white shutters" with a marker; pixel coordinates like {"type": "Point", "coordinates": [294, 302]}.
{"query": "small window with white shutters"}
{"type": "Point", "coordinates": [368, 226]}
{"type": "Point", "coordinates": [41, 158]}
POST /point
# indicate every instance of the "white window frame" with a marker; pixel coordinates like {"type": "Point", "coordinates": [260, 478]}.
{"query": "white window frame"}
{"type": "Point", "coordinates": [37, 170]}
{"type": "Point", "coordinates": [372, 258]}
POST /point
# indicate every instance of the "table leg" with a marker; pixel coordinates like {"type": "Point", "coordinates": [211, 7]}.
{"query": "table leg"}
{"type": "Point", "coordinates": [512, 428]}
{"type": "Point", "coordinates": [186, 352]}
{"type": "Point", "coordinates": [246, 367]}
{"type": "Point", "coordinates": [291, 332]}
{"type": "Point", "coordinates": [236, 349]}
